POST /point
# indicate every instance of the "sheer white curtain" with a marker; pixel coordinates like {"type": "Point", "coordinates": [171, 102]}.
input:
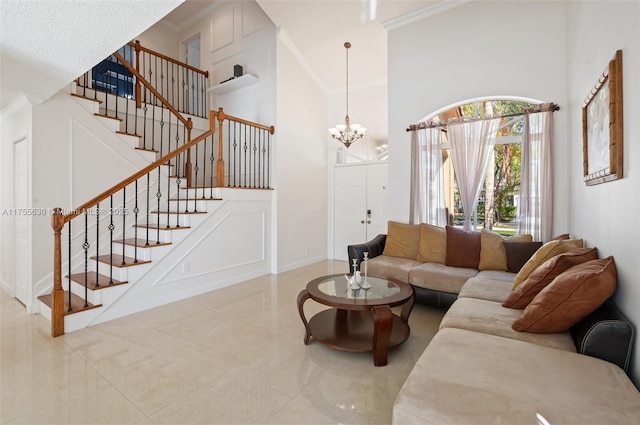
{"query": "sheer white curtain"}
{"type": "Point", "coordinates": [535, 203]}
{"type": "Point", "coordinates": [427, 178]}
{"type": "Point", "coordinates": [470, 153]}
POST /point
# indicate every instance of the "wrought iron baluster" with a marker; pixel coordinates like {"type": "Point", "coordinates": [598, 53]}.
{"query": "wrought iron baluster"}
{"type": "Point", "coordinates": [111, 229]}
{"type": "Point", "coordinates": [204, 168]}
{"type": "Point", "coordinates": [235, 145]}
{"type": "Point", "coordinates": [195, 180]}
{"type": "Point", "coordinates": [245, 157]}
{"type": "Point", "coordinates": [213, 159]}
{"type": "Point", "coordinates": [158, 196]}
{"type": "Point", "coordinates": [86, 246]}
{"type": "Point", "coordinates": [168, 196]}
{"type": "Point", "coordinates": [69, 308]}
{"type": "Point", "coordinates": [148, 195]}
{"type": "Point", "coordinates": [255, 151]}
{"type": "Point", "coordinates": [135, 226]}
{"type": "Point", "coordinates": [124, 225]}
{"type": "Point", "coordinates": [97, 243]}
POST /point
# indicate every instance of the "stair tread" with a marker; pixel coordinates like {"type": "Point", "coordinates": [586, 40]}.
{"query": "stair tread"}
{"type": "Point", "coordinates": [128, 134]}
{"type": "Point", "coordinates": [119, 261]}
{"type": "Point", "coordinates": [141, 242]}
{"type": "Point", "coordinates": [197, 199]}
{"type": "Point", "coordinates": [162, 227]}
{"type": "Point", "coordinates": [147, 150]}
{"type": "Point", "coordinates": [77, 303]}
{"type": "Point", "coordinates": [103, 280]}
{"type": "Point", "coordinates": [178, 212]}
{"type": "Point", "coordinates": [85, 97]}
{"type": "Point", "coordinates": [107, 116]}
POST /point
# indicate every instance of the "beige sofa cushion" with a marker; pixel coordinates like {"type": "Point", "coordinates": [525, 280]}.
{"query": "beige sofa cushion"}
{"type": "Point", "coordinates": [489, 317]}
{"type": "Point", "coordinates": [483, 288]}
{"type": "Point", "coordinates": [497, 275]}
{"type": "Point", "coordinates": [493, 255]}
{"type": "Point", "coordinates": [402, 240]}
{"type": "Point", "coordinates": [433, 244]}
{"type": "Point", "coordinates": [393, 267]}
{"type": "Point", "coordinates": [439, 277]}
{"type": "Point", "coordinates": [471, 378]}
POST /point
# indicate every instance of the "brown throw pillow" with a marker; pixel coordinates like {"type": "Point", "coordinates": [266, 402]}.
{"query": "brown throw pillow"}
{"type": "Point", "coordinates": [518, 253]}
{"type": "Point", "coordinates": [402, 240]}
{"type": "Point", "coordinates": [463, 248]}
{"type": "Point", "coordinates": [492, 252]}
{"type": "Point", "coordinates": [433, 244]}
{"type": "Point", "coordinates": [562, 237]}
{"type": "Point", "coordinates": [569, 298]}
{"type": "Point", "coordinates": [544, 275]}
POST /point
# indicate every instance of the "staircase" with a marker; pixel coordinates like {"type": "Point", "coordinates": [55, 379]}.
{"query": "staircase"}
{"type": "Point", "coordinates": [157, 217]}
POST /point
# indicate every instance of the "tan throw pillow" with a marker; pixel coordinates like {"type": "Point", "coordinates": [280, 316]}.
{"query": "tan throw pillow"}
{"type": "Point", "coordinates": [463, 248]}
{"type": "Point", "coordinates": [571, 296]}
{"type": "Point", "coordinates": [402, 240]}
{"type": "Point", "coordinates": [518, 253]}
{"type": "Point", "coordinates": [433, 244]}
{"type": "Point", "coordinates": [546, 251]}
{"type": "Point", "coordinates": [544, 275]}
{"type": "Point", "coordinates": [493, 255]}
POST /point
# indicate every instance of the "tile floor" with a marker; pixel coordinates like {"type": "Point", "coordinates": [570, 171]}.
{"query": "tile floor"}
{"type": "Point", "coordinates": [231, 356]}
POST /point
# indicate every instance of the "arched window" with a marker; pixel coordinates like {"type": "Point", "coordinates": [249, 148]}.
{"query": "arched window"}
{"type": "Point", "coordinates": [498, 198]}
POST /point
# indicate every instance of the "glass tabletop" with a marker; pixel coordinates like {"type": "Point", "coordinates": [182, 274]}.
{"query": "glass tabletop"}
{"type": "Point", "coordinates": [371, 288]}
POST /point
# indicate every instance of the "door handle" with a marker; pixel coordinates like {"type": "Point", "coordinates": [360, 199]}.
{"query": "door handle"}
{"type": "Point", "coordinates": [368, 221]}
{"type": "Point", "coordinates": [362, 221]}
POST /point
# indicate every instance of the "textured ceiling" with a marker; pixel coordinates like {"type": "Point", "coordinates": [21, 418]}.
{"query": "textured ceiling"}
{"type": "Point", "coordinates": [46, 44]}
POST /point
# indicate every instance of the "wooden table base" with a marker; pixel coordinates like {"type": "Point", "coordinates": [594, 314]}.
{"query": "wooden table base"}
{"type": "Point", "coordinates": [374, 330]}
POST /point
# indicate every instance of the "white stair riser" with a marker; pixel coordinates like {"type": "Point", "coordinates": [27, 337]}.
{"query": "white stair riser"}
{"type": "Point", "coordinates": [216, 192]}
{"type": "Point", "coordinates": [93, 297]}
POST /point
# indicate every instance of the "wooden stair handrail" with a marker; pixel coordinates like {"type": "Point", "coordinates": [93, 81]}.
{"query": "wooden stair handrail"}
{"type": "Point", "coordinates": [186, 121]}
{"type": "Point", "coordinates": [139, 47]}
{"type": "Point", "coordinates": [162, 161]}
{"type": "Point", "coordinates": [222, 116]}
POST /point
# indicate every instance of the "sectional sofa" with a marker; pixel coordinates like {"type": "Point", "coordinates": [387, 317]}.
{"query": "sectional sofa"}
{"type": "Point", "coordinates": [566, 362]}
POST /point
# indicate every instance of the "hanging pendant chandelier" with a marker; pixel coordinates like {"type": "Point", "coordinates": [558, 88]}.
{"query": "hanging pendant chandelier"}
{"type": "Point", "coordinates": [347, 133]}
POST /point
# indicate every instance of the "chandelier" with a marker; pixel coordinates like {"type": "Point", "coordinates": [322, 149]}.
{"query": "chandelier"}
{"type": "Point", "coordinates": [347, 133]}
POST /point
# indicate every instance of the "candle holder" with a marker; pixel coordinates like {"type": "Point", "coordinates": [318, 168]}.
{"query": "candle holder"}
{"type": "Point", "coordinates": [365, 285]}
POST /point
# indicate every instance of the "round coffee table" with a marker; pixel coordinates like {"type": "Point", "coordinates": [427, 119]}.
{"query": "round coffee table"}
{"type": "Point", "coordinates": [360, 320]}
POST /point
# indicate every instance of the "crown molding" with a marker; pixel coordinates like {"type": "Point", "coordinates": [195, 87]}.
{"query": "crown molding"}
{"type": "Point", "coordinates": [418, 15]}
{"type": "Point", "coordinates": [282, 35]}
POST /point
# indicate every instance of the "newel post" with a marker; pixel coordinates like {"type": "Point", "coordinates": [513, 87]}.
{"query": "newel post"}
{"type": "Point", "coordinates": [138, 85]}
{"type": "Point", "coordinates": [57, 294]}
{"type": "Point", "coordinates": [220, 163]}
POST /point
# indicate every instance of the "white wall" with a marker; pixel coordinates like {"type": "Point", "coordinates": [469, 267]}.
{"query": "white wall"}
{"type": "Point", "coordinates": [607, 215]}
{"type": "Point", "coordinates": [15, 125]}
{"type": "Point", "coordinates": [301, 164]}
{"type": "Point", "coordinates": [551, 51]}
{"type": "Point", "coordinates": [475, 50]}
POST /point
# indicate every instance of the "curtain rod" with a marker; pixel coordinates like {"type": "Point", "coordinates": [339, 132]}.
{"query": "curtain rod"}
{"type": "Point", "coordinates": [545, 107]}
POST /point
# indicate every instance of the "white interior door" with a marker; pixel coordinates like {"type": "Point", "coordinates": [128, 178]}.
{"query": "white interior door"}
{"type": "Point", "coordinates": [377, 180]}
{"type": "Point", "coordinates": [21, 221]}
{"type": "Point", "coordinates": [360, 205]}
{"type": "Point", "coordinates": [350, 204]}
